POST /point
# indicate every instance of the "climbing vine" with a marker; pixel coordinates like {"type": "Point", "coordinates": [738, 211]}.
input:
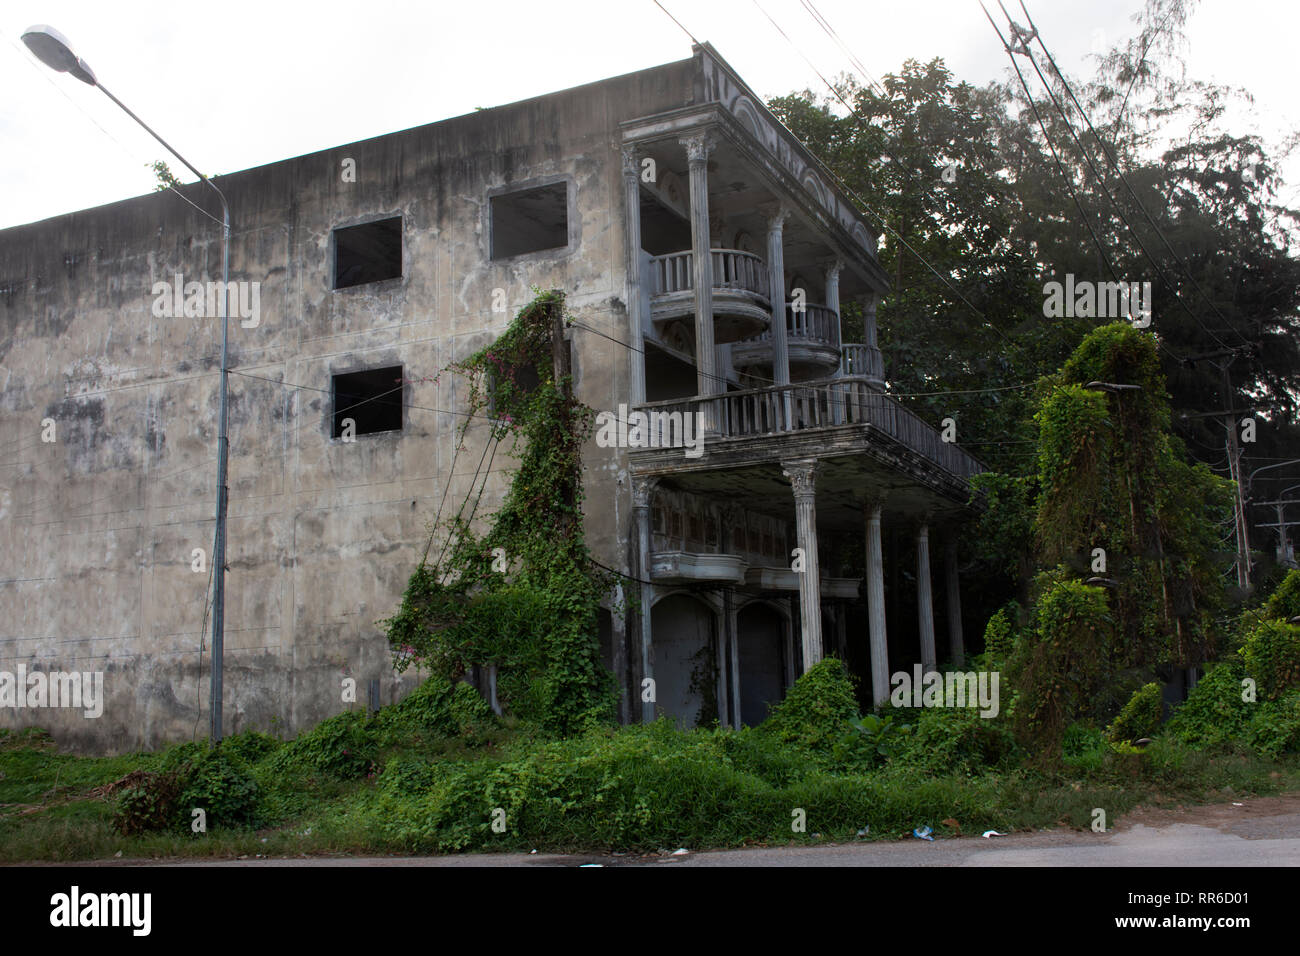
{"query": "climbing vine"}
{"type": "Point", "coordinates": [523, 596]}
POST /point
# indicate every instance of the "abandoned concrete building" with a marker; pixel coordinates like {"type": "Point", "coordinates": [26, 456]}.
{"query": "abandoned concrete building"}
{"type": "Point", "coordinates": [707, 258]}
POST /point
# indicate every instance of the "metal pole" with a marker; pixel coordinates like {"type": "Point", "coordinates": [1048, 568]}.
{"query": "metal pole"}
{"type": "Point", "coordinates": [219, 537]}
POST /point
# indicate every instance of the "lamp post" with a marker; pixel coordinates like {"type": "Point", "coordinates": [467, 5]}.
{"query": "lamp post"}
{"type": "Point", "coordinates": [53, 49]}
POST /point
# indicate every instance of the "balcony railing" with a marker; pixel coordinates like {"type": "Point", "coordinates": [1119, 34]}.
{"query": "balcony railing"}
{"type": "Point", "coordinates": [732, 269]}
{"type": "Point", "coordinates": [860, 360]}
{"type": "Point", "coordinates": [814, 324]}
{"type": "Point", "coordinates": [758, 412]}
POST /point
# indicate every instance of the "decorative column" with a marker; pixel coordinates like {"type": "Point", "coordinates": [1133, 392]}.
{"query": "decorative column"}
{"type": "Point", "coordinates": [833, 296]}
{"type": "Point", "coordinates": [698, 146]}
{"type": "Point", "coordinates": [776, 293]}
{"type": "Point", "coordinates": [803, 474]}
{"type": "Point", "coordinates": [924, 601]}
{"type": "Point", "coordinates": [642, 490]}
{"type": "Point", "coordinates": [636, 320]}
{"type": "Point", "coordinates": [874, 359]}
{"type": "Point", "coordinates": [876, 605]}
{"type": "Point", "coordinates": [956, 647]}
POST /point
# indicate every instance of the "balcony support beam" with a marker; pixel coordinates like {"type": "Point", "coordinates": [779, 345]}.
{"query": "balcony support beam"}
{"type": "Point", "coordinates": [955, 643]}
{"type": "Point", "coordinates": [776, 285]}
{"type": "Point", "coordinates": [637, 321]}
{"type": "Point", "coordinates": [803, 479]}
{"type": "Point", "coordinates": [924, 598]}
{"type": "Point", "coordinates": [698, 146]}
{"type": "Point", "coordinates": [642, 490]}
{"type": "Point", "coordinates": [876, 605]}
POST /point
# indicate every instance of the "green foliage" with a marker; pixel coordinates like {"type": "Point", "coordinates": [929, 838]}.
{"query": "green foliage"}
{"type": "Point", "coordinates": [878, 736]}
{"type": "Point", "coordinates": [1271, 651]}
{"type": "Point", "coordinates": [438, 707]}
{"type": "Point", "coordinates": [536, 622]}
{"type": "Point", "coordinates": [148, 804]}
{"type": "Point", "coordinates": [344, 746]}
{"type": "Point", "coordinates": [999, 633]}
{"type": "Point", "coordinates": [1274, 730]}
{"type": "Point", "coordinates": [817, 708]}
{"type": "Point", "coordinates": [1059, 666]}
{"type": "Point", "coordinates": [1140, 716]}
{"type": "Point", "coordinates": [250, 746]}
{"type": "Point", "coordinates": [1214, 712]}
{"type": "Point", "coordinates": [957, 741]}
{"type": "Point", "coordinates": [221, 786]}
{"type": "Point", "coordinates": [1083, 747]}
{"type": "Point", "coordinates": [1284, 603]}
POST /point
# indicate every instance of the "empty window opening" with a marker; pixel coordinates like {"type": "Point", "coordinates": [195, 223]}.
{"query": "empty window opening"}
{"type": "Point", "coordinates": [530, 220]}
{"type": "Point", "coordinates": [372, 400]}
{"type": "Point", "coordinates": [368, 253]}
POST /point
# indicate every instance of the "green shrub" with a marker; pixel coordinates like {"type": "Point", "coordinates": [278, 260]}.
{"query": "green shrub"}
{"type": "Point", "coordinates": [344, 746]}
{"type": "Point", "coordinates": [1214, 711]}
{"type": "Point", "coordinates": [438, 706]}
{"type": "Point", "coordinates": [1271, 650]}
{"type": "Point", "coordinates": [221, 786]}
{"type": "Point", "coordinates": [956, 741]}
{"type": "Point", "coordinates": [148, 804]}
{"type": "Point", "coordinates": [1083, 747]}
{"type": "Point", "coordinates": [250, 746]}
{"type": "Point", "coordinates": [1285, 601]}
{"type": "Point", "coordinates": [1140, 716]}
{"type": "Point", "coordinates": [1275, 728]}
{"type": "Point", "coordinates": [999, 633]}
{"type": "Point", "coordinates": [816, 711]}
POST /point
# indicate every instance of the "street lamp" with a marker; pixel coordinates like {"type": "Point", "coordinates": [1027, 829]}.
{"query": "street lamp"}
{"type": "Point", "coordinates": [53, 49]}
{"type": "Point", "coordinates": [1111, 387]}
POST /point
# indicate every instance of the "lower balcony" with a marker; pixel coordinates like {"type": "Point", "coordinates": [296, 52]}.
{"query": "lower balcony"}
{"type": "Point", "coordinates": [812, 337]}
{"type": "Point", "coordinates": [778, 418]}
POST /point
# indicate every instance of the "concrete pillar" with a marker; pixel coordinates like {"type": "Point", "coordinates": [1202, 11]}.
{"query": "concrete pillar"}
{"type": "Point", "coordinates": [636, 320]}
{"type": "Point", "coordinates": [734, 626]}
{"type": "Point", "coordinates": [776, 287]}
{"type": "Point", "coordinates": [876, 605]}
{"type": "Point", "coordinates": [956, 648]}
{"type": "Point", "coordinates": [924, 600]}
{"type": "Point", "coordinates": [642, 490]}
{"type": "Point", "coordinates": [720, 690]}
{"type": "Point", "coordinates": [833, 296]}
{"type": "Point", "coordinates": [618, 635]}
{"type": "Point", "coordinates": [803, 474]}
{"type": "Point", "coordinates": [698, 146]}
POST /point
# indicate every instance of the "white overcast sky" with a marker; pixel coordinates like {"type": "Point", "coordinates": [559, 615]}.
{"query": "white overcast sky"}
{"type": "Point", "coordinates": [237, 84]}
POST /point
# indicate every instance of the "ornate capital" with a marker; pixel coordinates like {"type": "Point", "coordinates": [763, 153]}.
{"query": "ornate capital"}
{"type": "Point", "coordinates": [832, 269]}
{"type": "Point", "coordinates": [698, 146]}
{"type": "Point", "coordinates": [642, 491]}
{"type": "Point", "coordinates": [776, 216]}
{"type": "Point", "coordinates": [802, 474]}
{"type": "Point", "coordinates": [631, 165]}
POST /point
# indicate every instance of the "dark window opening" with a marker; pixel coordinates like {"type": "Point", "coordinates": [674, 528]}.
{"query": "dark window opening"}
{"type": "Point", "coordinates": [526, 382]}
{"type": "Point", "coordinates": [530, 220]}
{"type": "Point", "coordinates": [371, 399]}
{"type": "Point", "coordinates": [368, 253]}
{"type": "Point", "coordinates": [663, 231]}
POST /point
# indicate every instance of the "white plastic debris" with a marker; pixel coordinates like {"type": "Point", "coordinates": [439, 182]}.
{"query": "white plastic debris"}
{"type": "Point", "coordinates": [991, 833]}
{"type": "Point", "coordinates": [923, 833]}
{"type": "Point", "coordinates": [864, 831]}
{"type": "Point", "coordinates": [681, 851]}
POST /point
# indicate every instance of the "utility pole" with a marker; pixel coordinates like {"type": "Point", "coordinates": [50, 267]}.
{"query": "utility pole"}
{"type": "Point", "coordinates": [1239, 497]}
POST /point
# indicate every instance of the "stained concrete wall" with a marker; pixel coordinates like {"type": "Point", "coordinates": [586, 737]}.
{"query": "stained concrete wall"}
{"type": "Point", "coordinates": [97, 528]}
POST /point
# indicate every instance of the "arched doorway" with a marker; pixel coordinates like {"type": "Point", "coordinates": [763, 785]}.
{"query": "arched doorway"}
{"type": "Point", "coordinates": [684, 631]}
{"type": "Point", "coordinates": [761, 632]}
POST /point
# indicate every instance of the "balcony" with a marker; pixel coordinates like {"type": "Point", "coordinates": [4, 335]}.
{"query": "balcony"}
{"type": "Point", "coordinates": [740, 292]}
{"type": "Point", "coordinates": [803, 410]}
{"type": "Point", "coordinates": [861, 361]}
{"type": "Point", "coordinates": [812, 336]}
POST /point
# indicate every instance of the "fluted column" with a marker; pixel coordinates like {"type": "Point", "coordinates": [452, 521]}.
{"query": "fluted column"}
{"type": "Point", "coordinates": [803, 480]}
{"type": "Point", "coordinates": [698, 146]}
{"type": "Point", "coordinates": [833, 270]}
{"type": "Point", "coordinates": [956, 648]}
{"type": "Point", "coordinates": [642, 490]}
{"type": "Point", "coordinates": [876, 605]}
{"type": "Point", "coordinates": [636, 320]}
{"type": "Point", "coordinates": [776, 292]}
{"type": "Point", "coordinates": [924, 599]}
{"type": "Point", "coordinates": [869, 326]}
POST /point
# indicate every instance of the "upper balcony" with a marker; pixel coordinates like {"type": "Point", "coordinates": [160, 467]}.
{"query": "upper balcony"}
{"type": "Point", "coordinates": [812, 335]}
{"type": "Point", "coordinates": [741, 307]}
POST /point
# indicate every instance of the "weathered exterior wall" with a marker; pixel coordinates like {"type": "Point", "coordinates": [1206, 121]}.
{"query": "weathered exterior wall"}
{"type": "Point", "coordinates": [97, 528]}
